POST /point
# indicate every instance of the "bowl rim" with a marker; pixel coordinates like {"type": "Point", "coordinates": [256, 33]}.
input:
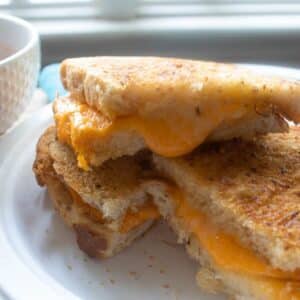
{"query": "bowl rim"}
{"type": "Point", "coordinates": [30, 44]}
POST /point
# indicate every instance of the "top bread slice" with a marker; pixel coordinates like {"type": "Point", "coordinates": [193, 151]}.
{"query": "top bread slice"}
{"type": "Point", "coordinates": [249, 188]}
{"type": "Point", "coordinates": [119, 86]}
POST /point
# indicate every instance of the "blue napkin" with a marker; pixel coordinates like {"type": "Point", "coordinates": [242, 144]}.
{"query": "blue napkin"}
{"type": "Point", "coordinates": [49, 81]}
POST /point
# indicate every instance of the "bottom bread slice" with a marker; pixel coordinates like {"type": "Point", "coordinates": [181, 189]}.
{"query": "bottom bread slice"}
{"type": "Point", "coordinates": [94, 238]}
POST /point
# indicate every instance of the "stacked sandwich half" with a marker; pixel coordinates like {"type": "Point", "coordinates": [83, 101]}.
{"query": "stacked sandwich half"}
{"type": "Point", "coordinates": [204, 145]}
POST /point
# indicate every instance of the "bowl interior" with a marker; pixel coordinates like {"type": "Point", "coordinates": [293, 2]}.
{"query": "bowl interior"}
{"type": "Point", "coordinates": [14, 36]}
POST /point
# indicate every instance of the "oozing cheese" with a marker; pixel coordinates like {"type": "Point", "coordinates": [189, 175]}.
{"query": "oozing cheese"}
{"type": "Point", "coordinates": [229, 255]}
{"type": "Point", "coordinates": [132, 219]}
{"type": "Point", "coordinates": [171, 133]}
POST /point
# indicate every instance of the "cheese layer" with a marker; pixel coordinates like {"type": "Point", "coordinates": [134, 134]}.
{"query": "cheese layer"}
{"type": "Point", "coordinates": [168, 133]}
{"type": "Point", "coordinates": [229, 255]}
{"type": "Point", "coordinates": [132, 219]}
{"type": "Point", "coordinates": [144, 213]}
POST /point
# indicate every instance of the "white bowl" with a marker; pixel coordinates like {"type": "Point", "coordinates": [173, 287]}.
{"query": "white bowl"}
{"type": "Point", "coordinates": [19, 70]}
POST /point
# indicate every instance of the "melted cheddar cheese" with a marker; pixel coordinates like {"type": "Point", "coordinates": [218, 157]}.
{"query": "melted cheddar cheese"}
{"type": "Point", "coordinates": [229, 255]}
{"type": "Point", "coordinates": [268, 288]}
{"type": "Point", "coordinates": [131, 220]}
{"type": "Point", "coordinates": [85, 209]}
{"type": "Point", "coordinates": [170, 134]}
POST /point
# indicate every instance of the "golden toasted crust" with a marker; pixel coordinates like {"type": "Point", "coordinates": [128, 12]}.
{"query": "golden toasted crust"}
{"type": "Point", "coordinates": [98, 237]}
{"type": "Point", "coordinates": [145, 85]}
{"type": "Point", "coordinates": [251, 188]}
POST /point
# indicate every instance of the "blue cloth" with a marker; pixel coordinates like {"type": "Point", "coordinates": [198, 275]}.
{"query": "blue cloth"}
{"type": "Point", "coordinates": [49, 81]}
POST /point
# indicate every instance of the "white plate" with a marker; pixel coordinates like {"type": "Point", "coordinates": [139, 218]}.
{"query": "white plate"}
{"type": "Point", "coordinates": [39, 258]}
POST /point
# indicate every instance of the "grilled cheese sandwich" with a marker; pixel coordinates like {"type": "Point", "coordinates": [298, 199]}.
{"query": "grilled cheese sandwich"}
{"type": "Point", "coordinates": [238, 201]}
{"type": "Point", "coordinates": [228, 255]}
{"type": "Point", "coordinates": [119, 208]}
{"type": "Point", "coordinates": [229, 193]}
{"type": "Point", "coordinates": [224, 249]}
{"type": "Point", "coordinates": [118, 106]}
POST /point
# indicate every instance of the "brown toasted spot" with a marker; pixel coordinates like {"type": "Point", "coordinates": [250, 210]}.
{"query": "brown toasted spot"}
{"type": "Point", "coordinates": [90, 242]}
{"type": "Point", "coordinates": [289, 219]}
{"type": "Point", "coordinates": [197, 110]}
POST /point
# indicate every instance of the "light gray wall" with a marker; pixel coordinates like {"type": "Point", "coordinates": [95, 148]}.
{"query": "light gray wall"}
{"type": "Point", "coordinates": [279, 47]}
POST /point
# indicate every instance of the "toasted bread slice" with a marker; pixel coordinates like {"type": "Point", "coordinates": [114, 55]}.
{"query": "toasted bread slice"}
{"type": "Point", "coordinates": [113, 188]}
{"type": "Point", "coordinates": [108, 208]}
{"type": "Point", "coordinates": [236, 206]}
{"type": "Point", "coordinates": [251, 188]}
{"type": "Point", "coordinates": [96, 239]}
{"type": "Point", "coordinates": [95, 138]}
{"type": "Point", "coordinates": [129, 85]}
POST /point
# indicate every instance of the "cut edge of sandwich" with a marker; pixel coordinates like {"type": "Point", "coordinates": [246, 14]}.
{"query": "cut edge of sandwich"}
{"type": "Point", "coordinates": [97, 235]}
{"type": "Point", "coordinates": [211, 277]}
{"type": "Point", "coordinates": [278, 162]}
{"type": "Point", "coordinates": [96, 239]}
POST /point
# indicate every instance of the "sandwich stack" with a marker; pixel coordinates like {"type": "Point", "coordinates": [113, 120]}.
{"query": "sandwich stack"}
{"type": "Point", "coordinates": [205, 145]}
